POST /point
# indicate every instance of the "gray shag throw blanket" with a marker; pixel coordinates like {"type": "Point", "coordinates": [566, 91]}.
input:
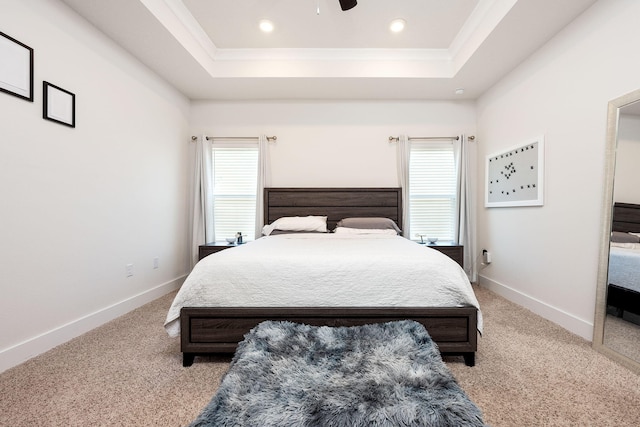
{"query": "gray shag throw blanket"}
{"type": "Point", "coordinates": [289, 374]}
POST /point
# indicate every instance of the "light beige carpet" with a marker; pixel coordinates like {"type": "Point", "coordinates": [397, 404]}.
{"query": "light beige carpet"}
{"type": "Point", "coordinates": [529, 372]}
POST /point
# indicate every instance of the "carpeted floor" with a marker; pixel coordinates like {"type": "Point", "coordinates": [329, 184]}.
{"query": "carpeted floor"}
{"type": "Point", "coordinates": [529, 372]}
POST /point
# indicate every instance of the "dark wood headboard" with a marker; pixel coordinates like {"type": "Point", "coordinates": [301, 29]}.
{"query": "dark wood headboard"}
{"type": "Point", "coordinates": [626, 217]}
{"type": "Point", "coordinates": [335, 203]}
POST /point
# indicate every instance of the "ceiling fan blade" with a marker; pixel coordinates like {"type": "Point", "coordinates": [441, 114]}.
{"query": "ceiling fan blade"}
{"type": "Point", "coordinates": [348, 4]}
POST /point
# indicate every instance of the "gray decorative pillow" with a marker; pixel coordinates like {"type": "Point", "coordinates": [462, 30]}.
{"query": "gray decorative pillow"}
{"type": "Point", "coordinates": [372, 223]}
{"type": "Point", "coordinates": [622, 237]}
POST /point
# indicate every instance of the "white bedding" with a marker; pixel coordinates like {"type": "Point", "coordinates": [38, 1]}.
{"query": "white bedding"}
{"type": "Point", "coordinates": [624, 265]}
{"type": "Point", "coordinates": [325, 270]}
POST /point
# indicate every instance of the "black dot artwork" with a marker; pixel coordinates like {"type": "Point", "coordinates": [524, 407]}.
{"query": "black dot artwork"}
{"type": "Point", "coordinates": [519, 168]}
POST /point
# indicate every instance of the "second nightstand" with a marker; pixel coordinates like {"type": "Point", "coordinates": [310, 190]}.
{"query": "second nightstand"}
{"type": "Point", "coordinates": [450, 249]}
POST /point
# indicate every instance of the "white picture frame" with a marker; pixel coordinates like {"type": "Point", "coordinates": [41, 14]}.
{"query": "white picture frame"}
{"type": "Point", "coordinates": [515, 176]}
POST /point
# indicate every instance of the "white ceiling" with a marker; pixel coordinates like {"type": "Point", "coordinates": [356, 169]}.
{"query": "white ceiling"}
{"type": "Point", "coordinates": [213, 49]}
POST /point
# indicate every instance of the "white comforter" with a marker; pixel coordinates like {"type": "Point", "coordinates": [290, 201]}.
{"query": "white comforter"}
{"type": "Point", "coordinates": [325, 270]}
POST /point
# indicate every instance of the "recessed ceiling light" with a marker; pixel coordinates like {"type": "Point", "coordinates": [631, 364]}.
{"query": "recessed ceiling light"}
{"type": "Point", "coordinates": [266, 26]}
{"type": "Point", "coordinates": [459, 91]}
{"type": "Point", "coordinates": [397, 25]}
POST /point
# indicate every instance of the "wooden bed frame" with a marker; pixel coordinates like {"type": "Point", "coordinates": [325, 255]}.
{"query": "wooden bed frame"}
{"type": "Point", "coordinates": [211, 330]}
{"type": "Point", "coordinates": [626, 218]}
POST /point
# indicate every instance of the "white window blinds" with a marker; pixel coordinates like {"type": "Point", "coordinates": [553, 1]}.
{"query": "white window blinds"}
{"type": "Point", "coordinates": [432, 190]}
{"type": "Point", "coordinates": [235, 175]}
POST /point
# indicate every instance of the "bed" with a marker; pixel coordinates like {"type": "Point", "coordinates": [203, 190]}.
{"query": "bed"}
{"type": "Point", "coordinates": [216, 327]}
{"type": "Point", "coordinates": [623, 293]}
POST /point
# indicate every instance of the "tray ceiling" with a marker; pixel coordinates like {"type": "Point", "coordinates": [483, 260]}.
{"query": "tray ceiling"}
{"type": "Point", "coordinates": [213, 49]}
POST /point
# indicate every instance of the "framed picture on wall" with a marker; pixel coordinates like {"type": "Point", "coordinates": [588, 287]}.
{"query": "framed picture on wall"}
{"type": "Point", "coordinates": [16, 70]}
{"type": "Point", "coordinates": [515, 176]}
{"type": "Point", "coordinates": [58, 105]}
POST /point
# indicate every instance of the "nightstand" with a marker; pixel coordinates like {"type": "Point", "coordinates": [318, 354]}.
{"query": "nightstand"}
{"type": "Point", "coordinates": [213, 247]}
{"type": "Point", "coordinates": [450, 249]}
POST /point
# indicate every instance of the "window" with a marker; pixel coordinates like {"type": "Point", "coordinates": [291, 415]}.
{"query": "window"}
{"type": "Point", "coordinates": [432, 190]}
{"type": "Point", "coordinates": [235, 176]}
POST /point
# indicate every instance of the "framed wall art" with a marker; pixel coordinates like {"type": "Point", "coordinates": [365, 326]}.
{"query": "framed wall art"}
{"type": "Point", "coordinates": [58, 105]}
{"type": "Point", "coordinates": [16, 72]}
{"type": "Point", "coordinates": [515, 177]}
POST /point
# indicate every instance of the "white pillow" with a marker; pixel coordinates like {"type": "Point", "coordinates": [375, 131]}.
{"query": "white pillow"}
{"type": "Point", "coordinates": [297, 223]}
{"type": "Point", "coordinates": [348, 230]}
{"type": "Point", "coordinates": [625, 245]}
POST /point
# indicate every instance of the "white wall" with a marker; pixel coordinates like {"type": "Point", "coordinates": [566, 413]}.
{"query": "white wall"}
{"type": "Point", "coordinates": [546, 257]}
{"type": "Point", "coordinates": [625, 187]}
{"type": "Point", "coordinates": [79, 204]}
{"type": "Point", "coordinates": [340, 144]}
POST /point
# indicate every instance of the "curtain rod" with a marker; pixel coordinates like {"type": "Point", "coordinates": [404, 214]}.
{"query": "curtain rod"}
{"type": "Point", "coordinates": [428, 138]}
{"type": "Point", "coordinates": [269, 138]}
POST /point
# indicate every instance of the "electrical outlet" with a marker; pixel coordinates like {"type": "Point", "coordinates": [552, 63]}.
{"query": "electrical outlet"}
{"type": "Point", "coordinates": [128, 270]}
{"type": "Point", "coordinates": [156, 263]}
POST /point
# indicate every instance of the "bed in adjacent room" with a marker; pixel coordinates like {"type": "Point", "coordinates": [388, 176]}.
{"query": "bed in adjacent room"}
{"type": "Point", "coordinates": [362, 273]}
{"type": "Point", "coordinates": [623, 293]}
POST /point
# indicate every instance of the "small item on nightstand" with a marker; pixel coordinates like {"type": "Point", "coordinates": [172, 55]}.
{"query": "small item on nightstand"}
{"type": "Point", "coordinates": [421, 237]}
{"type": "Point", "coordinates": [239, 237]}
{"type": "Point", "coordinates": [432, 240]}
{"type": "Point", "coordinates": [231, 240]}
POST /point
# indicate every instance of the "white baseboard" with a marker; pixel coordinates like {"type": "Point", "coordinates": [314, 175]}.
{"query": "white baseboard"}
{"type": "Point", "coordinates": [32, 347]}
{"type": "Point", "coordinates": [568, 321]}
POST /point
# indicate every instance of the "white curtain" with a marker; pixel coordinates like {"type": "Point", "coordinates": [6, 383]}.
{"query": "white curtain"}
{"type": "Point", "coordinates": [465, 229]}
{"type": "Point", "coordinates": [202, 208]}
{"type": "Point", "coordinates": [264, 180]}
{"type": "Point", "coordinates": [403, 153]}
